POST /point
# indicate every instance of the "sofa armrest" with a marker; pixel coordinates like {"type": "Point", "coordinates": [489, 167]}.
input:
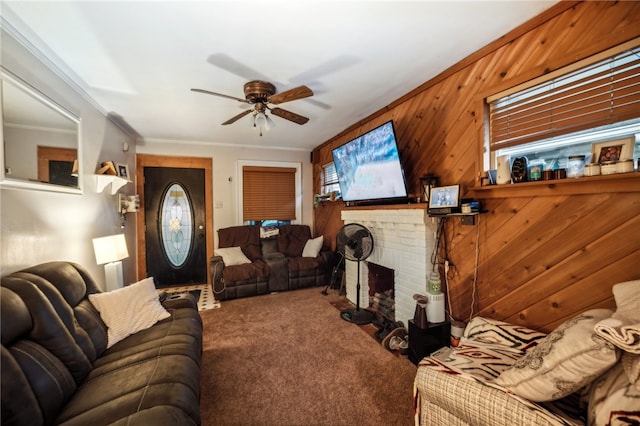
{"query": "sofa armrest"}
{"type": "Point", "coordinates": [177, 301]}
{"type": "Point", "coordinates": [216, 266]}
{"type": "Point", "coordinates": [472, 401]}
{"type": "Point", "coordinates": [327, 256]}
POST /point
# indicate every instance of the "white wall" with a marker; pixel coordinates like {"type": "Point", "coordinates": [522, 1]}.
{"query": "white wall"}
{"type": "Point", "coordinates": [24, 144]}
{"type": "Point", "coordinates": [225, 173]}
{"type": "Point", "coordinates": [37, 226]}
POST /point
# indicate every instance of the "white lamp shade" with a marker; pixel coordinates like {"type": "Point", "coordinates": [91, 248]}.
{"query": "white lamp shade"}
{"type": "Point", "coordinates": [260, 120]}
{"type": "Point", "coordinates": [269, 123]}
{"type": "Point", "coordinates": [110, 249]}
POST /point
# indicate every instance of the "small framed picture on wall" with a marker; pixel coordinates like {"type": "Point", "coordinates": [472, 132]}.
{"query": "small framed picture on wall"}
{"type": "Point", "coordinates": [123, 170]}
{"type": "Point", "coordinates": [616, 150]}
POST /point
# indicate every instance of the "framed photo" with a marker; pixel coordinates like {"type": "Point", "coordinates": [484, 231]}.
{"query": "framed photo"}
{"type": "Point", "coordinates": [445, 196]}
{"type": "Point", "coordinates": [123, 170]}
{"type": "Point", "coordinates": [615, 150]}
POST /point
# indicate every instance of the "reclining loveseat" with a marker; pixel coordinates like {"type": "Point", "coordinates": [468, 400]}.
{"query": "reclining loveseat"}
{"type": "Point", "coordinates": [245, 264]}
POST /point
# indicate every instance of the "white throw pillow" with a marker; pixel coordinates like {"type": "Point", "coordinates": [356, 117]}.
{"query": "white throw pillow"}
{"type": "Point", "coordinates": [130, 309]}
{"type": "Point", "coordinates": [312, 247]}
{"type": "Point", "coordinates": [232, 256]}
{"type": "Point", "coordinates": [570, 357]}
{"type": "Point", "coordinates": [612, 399]}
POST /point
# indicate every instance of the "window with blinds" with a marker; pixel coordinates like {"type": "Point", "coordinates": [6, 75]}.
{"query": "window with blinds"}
{"type": "Point", "coordinates": [585, 102]}
{"type": "Point", "coordinates": [269, 193]}
{"type": "Point", "coordinates": [605, 92]}
{"type": "Point", "coordinates": [329, 179]}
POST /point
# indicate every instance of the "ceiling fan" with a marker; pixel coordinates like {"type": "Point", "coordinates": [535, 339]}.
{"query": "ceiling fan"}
{"type": "Point", "coordinates": [260, 93]}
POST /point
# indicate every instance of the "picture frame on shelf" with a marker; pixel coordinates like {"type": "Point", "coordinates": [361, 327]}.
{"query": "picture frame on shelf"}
{"type": "Point", "coordinates": [613, 150]}
{"type": "Point", "coordinates": [445, 197]}
{"type": "Point", "coordinates": [123, 170]}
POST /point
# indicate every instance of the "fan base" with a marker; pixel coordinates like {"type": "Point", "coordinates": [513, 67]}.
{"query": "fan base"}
{"type": "Point", "coordinates": [357, 316]}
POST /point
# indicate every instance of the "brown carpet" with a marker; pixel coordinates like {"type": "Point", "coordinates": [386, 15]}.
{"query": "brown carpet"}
{"type": "Point", "coordinates": [289, 359]}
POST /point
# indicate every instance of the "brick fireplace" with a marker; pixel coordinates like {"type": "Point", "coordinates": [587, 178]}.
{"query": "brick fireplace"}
{"type": "Point", "coordinates": [403, 241]}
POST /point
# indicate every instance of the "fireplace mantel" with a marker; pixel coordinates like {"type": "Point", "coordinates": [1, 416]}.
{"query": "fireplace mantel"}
{"type": "Point", "coordinates": [411, 206]}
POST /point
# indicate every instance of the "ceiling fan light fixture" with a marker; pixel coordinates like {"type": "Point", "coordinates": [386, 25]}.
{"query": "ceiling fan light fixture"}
{"type": "Point", "coordinates": [260, 93]}
{"type": "Point", "coordinates": [262, 122]}
{"type": "Point", "coordinates": [268, 123]}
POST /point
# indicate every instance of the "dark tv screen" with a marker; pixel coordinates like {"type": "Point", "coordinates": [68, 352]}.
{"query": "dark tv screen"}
{"type": "Point", "coordinates": [369, 166]}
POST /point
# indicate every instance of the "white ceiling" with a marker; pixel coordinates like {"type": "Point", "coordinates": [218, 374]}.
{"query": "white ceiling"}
{"type": "Point", "coordinates": [139, 59]}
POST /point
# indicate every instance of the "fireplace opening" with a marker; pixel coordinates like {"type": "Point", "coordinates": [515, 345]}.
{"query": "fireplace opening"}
{"type": "Point", "coordinates": [380, 280]}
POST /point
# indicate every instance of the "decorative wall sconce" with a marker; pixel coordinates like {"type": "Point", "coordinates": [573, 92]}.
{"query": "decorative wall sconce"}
{"type": "Point", "coordinates": [127, 204]}
{"type": "Point", "coordinates": [426, 183]}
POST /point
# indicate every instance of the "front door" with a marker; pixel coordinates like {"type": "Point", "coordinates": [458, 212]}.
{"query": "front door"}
{"type": "Point", "coordinates": [175, 225]}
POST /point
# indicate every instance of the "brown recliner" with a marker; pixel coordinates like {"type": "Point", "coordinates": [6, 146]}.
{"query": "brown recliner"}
{"type": "Point", "coordinates": [302, 271]}
{"type": "Point", "coordinates": [249, 279]}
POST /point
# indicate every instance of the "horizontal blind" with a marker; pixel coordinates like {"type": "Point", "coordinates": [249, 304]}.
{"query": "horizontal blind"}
{"type": "Point", "coordinates": [268, 193]}
{"type": "Point", "coordinates": [329, 178]}
{"type": "Point", "coordinates": [605, 92]}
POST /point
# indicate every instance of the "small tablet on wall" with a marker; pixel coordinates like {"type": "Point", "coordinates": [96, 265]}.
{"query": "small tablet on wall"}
{"type": "Point", "coordinates": [445, 196]}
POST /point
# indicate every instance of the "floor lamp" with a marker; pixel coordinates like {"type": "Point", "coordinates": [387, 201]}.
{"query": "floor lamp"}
{"type": "Point", "coordinates": [110, 251]}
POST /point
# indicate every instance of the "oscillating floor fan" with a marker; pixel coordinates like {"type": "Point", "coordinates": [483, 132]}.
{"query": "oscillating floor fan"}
{"type": "Point", "coordinates": [355, 243]}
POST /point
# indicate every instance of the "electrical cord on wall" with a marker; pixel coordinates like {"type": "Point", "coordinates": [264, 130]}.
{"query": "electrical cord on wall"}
{"type": "Point", "coordinates": [446, 285]}
{"type": "Point", "coordinates": [475, 271]}
{"type": "Point", "coordinates": [436, 248]}
{"type": "Point", "coordinates": [448, 266]}
{"type": "Point", "coordinates": [435, 259]}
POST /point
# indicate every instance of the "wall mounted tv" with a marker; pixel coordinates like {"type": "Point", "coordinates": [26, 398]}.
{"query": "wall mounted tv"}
{"type": "Point", "coordinates": [369, 168]}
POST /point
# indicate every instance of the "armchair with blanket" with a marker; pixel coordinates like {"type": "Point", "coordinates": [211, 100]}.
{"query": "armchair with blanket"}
{"type": "Point", "coordinates": [585, 372]}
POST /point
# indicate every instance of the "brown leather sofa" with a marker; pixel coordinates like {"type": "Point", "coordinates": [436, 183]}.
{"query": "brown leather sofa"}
{"type": "Point", "coordinates": [276, 263]}
{"type": "Point", "coordinates": [56, 368]}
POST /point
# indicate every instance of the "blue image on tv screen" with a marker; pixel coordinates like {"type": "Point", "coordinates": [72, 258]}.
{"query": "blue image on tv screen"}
{"type": "Point", "coordinates": [369, 166]}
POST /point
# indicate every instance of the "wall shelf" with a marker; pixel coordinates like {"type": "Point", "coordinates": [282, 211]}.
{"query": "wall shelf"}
{"type": "Point", "coordinates": [116, 182]}
{"type": "Point", "coordinates": [465, 218]}
{"type": "Point", "coordinates": [616, 183]}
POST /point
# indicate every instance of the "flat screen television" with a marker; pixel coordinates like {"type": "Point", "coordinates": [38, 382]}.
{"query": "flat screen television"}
{"type": "Point", "coordinates": [369, 168]}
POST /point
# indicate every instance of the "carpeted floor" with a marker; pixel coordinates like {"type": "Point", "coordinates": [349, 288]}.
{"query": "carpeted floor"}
{"type": "Point", "coordinates": [289, 359]}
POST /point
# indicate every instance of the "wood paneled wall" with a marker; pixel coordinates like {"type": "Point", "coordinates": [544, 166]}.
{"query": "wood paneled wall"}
{"type": "Point", "coordinates": [544, 252]}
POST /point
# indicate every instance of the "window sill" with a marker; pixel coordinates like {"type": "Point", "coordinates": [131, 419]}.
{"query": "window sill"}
{"type": "Point", "coordinates": [617, 183]}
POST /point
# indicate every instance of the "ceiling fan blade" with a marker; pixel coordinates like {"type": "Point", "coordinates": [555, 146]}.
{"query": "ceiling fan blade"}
{"type": "Point", "coordinates": [291, 95]}
{"type": "Point", "coordinates": [237, 117]}
{"type": "Point", "coordinates": [288, 115]}
{"type": "Point", "coordinates": [220, 94]}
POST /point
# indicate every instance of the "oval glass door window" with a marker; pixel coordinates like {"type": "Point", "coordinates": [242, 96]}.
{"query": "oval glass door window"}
{"type": "Point", "coordinates": [176, 224]}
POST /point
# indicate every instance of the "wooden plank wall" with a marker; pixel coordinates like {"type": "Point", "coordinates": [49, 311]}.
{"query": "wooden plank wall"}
{"type": "Point", "coordinates": [544, 253]}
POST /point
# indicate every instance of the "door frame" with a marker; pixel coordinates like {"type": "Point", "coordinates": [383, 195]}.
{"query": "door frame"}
{"type": "Point", "coordinates": [149, 160]}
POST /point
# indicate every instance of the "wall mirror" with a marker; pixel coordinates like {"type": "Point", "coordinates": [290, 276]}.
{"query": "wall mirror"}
{"type": "Point", "coordinates": [41, 141]}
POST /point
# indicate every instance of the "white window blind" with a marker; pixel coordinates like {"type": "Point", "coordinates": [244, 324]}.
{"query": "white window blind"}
{"type": "Point", "coordinates": [269, 193]}
{"type": "Point", "coordinates": [604, 92]}
{"type": "Point", "coordinates": [329, 179]}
